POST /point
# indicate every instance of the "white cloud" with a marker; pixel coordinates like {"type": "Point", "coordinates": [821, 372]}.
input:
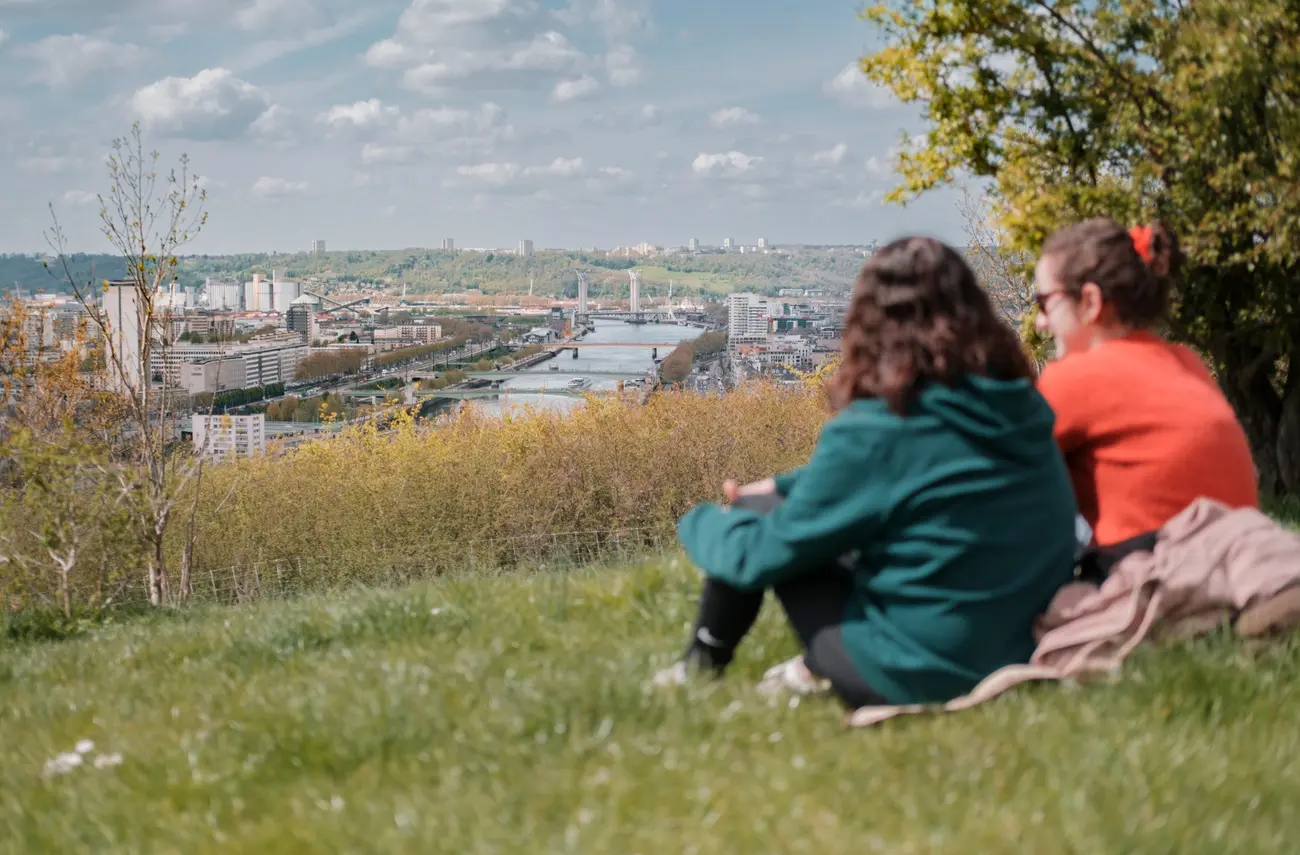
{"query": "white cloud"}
{"type": "Point", "coordinates": [443, 44]}
{"type": "Point", "coordinates": [489, 173]}
{"type": "Point", "coordinates": [61, 61]}
{"type": "Point", "coordinates": [621, 66]}
{"type": "Point", "coordinates": [616, 17]}
{"type": "Point", "coordinates": [878, 167]}
{"type": "Point", "coordinates": [726, 164]}
{"type": "Point", "coordinates": [269, 50]}
{"type": "Point", "coordinates": [4, 36]}
{"type": "Point", "coordinates": [527, 177]}
{"type": "Point", "coordinates": [388, 54]}
{"type": "Point", "coordinates": [213, 104]}
{"type": "Point", "coordinates": [831, 157]}
{"type": "Point", "coordinates": [361, 179]}
{"type": "Point", "coordinates": [731, 116]}
{"type": "Point", "coordinates": [573, 90]}
{"type": "Point", "coordinates": [549, 52]}
{"type": "Point", "coordinates": [610, 179]}
{"type": "Point", "coordinates": [372, 153]}
{"type": "Point", "coordinates": [81, 198]}
{"type": "Point", "coordinates": [559, 168]}
{"type": "Point", "coordinates": [275, 188]}
{"type": "Point", "coordinates": [262, 14]}
{"type": "Point", "coordinates": [428, 18]}
{"type": "Point", "coordinates": [852, 87]}
{"type": "Point", "coordinates": [435, 124]}
{"type": "Point", "coordinates": [277, 124]}
{"type": "Point", "coordinates": [652, 114]}
{"type": "Point", "coordinates": [366, 114]}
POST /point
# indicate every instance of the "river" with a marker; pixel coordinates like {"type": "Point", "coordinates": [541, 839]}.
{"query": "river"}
{"type": "Point", "coordinates": [516, 391]}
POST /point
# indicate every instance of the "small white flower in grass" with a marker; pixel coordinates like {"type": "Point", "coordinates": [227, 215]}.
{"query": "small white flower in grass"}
{"type": "Point", "coordinates": [62, 764]}
{"type": "Point", "coordinates": [85, 746]}
{"type": "Point", "coordinates": [108, 761]}
{"type": "Point", "coordinates": [436, 611]}
{"type": "Point", "coordinates": [337, 803]}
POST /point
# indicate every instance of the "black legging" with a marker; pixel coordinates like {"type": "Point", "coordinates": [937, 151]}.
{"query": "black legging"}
{"type": "Point", "coordinates": [814, 604]}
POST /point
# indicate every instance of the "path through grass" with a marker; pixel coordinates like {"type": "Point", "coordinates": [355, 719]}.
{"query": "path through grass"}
{"type": "Point", "coordinates": [507, 715]}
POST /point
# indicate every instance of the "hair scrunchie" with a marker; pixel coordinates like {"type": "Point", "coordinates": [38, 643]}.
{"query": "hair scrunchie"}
{"type": "Point", "coordinates": [1142, 241]}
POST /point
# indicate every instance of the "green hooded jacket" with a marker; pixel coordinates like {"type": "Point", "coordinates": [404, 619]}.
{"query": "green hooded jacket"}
{"type": "Point", "coordinates": [958, 520]}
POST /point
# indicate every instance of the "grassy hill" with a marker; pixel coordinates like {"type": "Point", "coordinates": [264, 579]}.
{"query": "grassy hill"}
{"type": "Point", "coordinates": [508, 714]}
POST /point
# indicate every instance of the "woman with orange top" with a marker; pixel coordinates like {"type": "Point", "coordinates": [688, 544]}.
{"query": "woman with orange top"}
{"type": "Point", "coordinates": [1143, 425]}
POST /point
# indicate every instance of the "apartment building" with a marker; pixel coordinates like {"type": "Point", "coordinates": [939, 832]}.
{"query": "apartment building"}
{"type": "Point", "coordinates": [749, 320]}
{"type": "Point", "coordinates": [224, 437]}
{"type": "Point", "coordinates": [423, 333]}
{"type": "Point", "coordinates": [213, 375]}
{"type": "Point", "coordinates": [263, 362]}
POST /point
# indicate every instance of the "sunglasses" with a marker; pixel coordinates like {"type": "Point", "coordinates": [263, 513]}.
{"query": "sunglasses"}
{"type": "Point", "coordinates": [1042, 299]}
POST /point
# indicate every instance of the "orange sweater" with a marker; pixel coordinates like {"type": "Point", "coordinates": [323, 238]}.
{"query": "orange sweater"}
{"type": "Point", "coordinates": [1145, 431]}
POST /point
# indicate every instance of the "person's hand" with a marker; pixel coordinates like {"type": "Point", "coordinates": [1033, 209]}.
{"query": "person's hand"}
{"type": "Point", "coordinates": [732, 491]}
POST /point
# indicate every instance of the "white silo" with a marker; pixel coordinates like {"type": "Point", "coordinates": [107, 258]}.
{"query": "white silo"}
{"type": "Point", "coordinates": [225, 296]}
{"type": "Point", "coordinates": [265, 294]}
{"type": "Point", "coordinates": [252, 294]}
{"type": "Point", "coordinates": [286, 291]}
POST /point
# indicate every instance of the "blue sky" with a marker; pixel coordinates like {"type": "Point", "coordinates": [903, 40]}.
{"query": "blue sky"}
{"type": "Point", "coordinates": [401, 122]}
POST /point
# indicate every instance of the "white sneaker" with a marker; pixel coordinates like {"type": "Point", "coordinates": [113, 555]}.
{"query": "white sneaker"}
{"type": "Point", "coordinates": [792, 675]}
{"type": "Point", "coordinates": [676, 674]}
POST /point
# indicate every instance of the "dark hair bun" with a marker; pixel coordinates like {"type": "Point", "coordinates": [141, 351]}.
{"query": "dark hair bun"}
{"type": "Point", "coordinates": [1166, 256]}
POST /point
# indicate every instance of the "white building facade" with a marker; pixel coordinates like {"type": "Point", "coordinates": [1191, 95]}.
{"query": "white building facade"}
{"type": "Point", "coordinates": [749, 319]}
{"type": "Point", "coordinates": [272, 362]}
{"type": "Point", "coordinates": [224, 437]}
{"type": "Point", "coordinates": [423, 333]}
{"type": "Point", "coordinates": [124, 336]}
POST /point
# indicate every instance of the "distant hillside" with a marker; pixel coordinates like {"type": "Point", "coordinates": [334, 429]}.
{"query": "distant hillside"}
{"type": "Point", "coordinates": [435, 272]}
{"type": "Point", "coordinates": [427, 272]}
{"type": "Point", "coordinates": [553, 273]}
{"type": "Point", "coordinates": [28, 274]}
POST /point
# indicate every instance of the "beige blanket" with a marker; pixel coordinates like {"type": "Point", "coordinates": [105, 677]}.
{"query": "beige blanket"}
{"type": "Point", "coordinates": [1209, 565]}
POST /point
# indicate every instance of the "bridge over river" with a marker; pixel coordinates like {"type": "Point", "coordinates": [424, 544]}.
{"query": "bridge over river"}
{"type": "Point", "coordinates": [470, 394]}
{"type": "Point", "coordinates": [603, 373]}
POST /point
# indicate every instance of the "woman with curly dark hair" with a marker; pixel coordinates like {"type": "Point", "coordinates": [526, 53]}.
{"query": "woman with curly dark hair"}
{"type": "Point", "coordinates": [934, 521]}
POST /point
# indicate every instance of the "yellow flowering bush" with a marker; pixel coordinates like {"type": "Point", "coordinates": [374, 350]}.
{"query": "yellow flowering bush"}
{"type": "Point", "coordinates": [420, 493]}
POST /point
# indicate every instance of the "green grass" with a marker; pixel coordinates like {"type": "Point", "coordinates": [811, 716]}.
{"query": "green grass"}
{"type": "Point", "coordinates": [507, 715]}
{"type": "Point", "coordinates": [712, 282]}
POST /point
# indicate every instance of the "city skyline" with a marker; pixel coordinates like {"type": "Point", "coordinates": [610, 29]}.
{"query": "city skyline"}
{"type": "Point", "coordinates": [571, 124]}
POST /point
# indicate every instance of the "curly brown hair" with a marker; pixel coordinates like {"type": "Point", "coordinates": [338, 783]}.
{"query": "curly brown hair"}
{"type": "Point", "coordinates": [1103, 252]}
{"type": "Point", "coordinates": [918, 315]}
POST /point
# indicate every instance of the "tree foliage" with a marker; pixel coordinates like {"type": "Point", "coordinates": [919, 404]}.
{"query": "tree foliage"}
{"type": "Point", "coordinates": [323, 363]}
{"type": "Point", "coordinates": [677, 365]}
{"type": "Point", "coordinates": [434, 272]}
{"type": "Point", "coordinates": [1133, 109]}
{"type": "Point", "coordinates": [147, 216]}
{"type": "Point", "coordinates": [68, 543]}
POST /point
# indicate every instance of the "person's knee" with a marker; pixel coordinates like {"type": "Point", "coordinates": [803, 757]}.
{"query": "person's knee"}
{"type": "Point", "coordinates": [827, 657]}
